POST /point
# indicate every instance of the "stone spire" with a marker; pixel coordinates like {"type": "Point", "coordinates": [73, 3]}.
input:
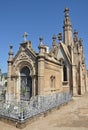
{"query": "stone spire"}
{"type": "Point", "coordinates": [41, 41]}
{"type": "Point", "coordinates": [54, 41]}
{"type": "Point", "coordinates": [41, 47]}
{"type": "Point", "coordinates": [67, 28]}
{"type": "Point", "coordinates": [75, 36]}
{"type": "Point", "coordinates": [10, 54]}
{"type": "Point", "coordinates": [60, 37]}
{"type": "Point", "coordinates": [80, 41]}
{"type": "Point", "coordinates": [67, 19]}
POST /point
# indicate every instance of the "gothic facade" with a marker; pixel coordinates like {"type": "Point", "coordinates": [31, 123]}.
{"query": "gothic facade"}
{"type": "Point", "coordinates": [59, 69]}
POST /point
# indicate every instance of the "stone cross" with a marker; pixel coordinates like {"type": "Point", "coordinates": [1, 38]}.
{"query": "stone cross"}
{"type": "Point", "coordinates": [25, 36]}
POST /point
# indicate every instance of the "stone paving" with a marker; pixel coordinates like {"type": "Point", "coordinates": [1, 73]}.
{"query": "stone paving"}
{"type": "Point", "coordinates": [72, 116]}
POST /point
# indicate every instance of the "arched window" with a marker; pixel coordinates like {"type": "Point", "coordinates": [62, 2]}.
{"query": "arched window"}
{"type": "Point", "coordinates": [64, 73]}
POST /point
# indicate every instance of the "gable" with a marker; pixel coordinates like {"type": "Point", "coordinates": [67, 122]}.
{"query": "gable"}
{"type": "Point", "coordinates": [24, 55]}
{"type": "Point", "coordinates": [63, 54]}
{"type": "Point", "coordinates": [66, 51]}
{"type": "Point", "coordinates": [60, 54]}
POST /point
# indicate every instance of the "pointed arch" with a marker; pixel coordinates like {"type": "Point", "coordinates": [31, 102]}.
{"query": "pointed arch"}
{"type": "Point", "coordinates": [25, 83]}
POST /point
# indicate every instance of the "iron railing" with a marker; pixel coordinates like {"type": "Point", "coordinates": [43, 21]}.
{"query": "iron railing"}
{"type": "Point", "coordinates": [38, 104]}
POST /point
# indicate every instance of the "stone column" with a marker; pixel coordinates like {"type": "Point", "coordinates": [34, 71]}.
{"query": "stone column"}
{"type": "Point", "coordinates": [40, 76]}
{"type": "Point", "coordinates": [9, 80]}
{"type": "Point", "coordinates": [75, 91]}
{"type": "Point", "coordinates": [33, 85]}
{"type": "Point", "coordinates": [41, 66]}
{"type": "Point", "coordinates": [83, 87]}
{"type": "Point", "coordinates": [18, 88]}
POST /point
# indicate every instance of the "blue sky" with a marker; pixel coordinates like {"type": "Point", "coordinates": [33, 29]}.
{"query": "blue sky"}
{"type": "Point", "coordinates": [38, 18]}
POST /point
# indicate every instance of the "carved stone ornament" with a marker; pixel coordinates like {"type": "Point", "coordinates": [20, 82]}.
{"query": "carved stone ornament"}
{"type": "Point", "coordinates": [22, 57]}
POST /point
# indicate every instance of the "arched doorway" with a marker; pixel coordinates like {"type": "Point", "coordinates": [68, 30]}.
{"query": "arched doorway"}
{"type": "Point", "coordinates": [26, 84]}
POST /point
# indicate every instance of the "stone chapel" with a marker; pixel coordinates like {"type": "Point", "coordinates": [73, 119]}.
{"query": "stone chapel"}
{"type": "Point", "coordinates": [59, 69]}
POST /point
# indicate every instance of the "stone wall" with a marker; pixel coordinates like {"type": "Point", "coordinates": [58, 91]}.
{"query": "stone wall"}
{"type": "Point", "coordinates": [53, 78]}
